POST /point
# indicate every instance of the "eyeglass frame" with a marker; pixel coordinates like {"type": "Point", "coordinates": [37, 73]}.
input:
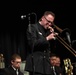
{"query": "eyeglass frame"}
{"type": "Point", "coordinates": [17, 62]}
{"type": "Point", "coordinates": [48, 20]}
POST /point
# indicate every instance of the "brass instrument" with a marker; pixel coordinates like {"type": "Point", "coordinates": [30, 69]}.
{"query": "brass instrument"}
{"type": "Point", "coordinates": [68, 66]}
{"type": "Point", "coordinates": [62, 40]}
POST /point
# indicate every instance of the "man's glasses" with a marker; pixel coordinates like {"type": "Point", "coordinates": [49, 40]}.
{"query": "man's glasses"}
{"type": "Point", "coordinates": [48, 20]}
{"type": "Point", "coordinates": [17, 62]}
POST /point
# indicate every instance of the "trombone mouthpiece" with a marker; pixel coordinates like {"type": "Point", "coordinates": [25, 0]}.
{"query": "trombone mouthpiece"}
{"type": "Point", "coordinates": [51, 29]}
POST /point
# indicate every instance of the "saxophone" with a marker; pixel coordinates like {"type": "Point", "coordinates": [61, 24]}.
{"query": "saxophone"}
{"type": "Point", "coordinates": [68, 66]}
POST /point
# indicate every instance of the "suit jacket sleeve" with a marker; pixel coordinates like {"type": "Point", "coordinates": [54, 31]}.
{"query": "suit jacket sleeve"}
{"type": "Point", "coordinates": [36, 39]}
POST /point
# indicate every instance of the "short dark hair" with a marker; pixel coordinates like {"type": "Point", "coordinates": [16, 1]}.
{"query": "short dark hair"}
{"type": "Point", "coordinates": [14, 56]}
{"type": "Point", "coordinates": [46, 13]}
{"type": "Point", "coordinates": [52, 55]}
{"type": "Point", "coordinates": [49, 12]}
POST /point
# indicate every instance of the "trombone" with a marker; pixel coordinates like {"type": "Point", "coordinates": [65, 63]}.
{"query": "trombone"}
{"type": "Point", "coordinates": [61, 40]}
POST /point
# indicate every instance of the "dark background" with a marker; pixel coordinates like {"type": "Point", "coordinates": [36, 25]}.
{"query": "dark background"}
{"type": "Point", "coordinates": [13, 28]}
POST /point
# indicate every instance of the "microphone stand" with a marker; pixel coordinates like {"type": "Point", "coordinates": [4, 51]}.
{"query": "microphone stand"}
{"type": "Point", "coordinates": [33, 67]}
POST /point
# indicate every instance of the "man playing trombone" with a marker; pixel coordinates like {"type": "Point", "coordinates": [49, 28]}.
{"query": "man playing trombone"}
{"type": "Point", "coordinates": [39, 36]}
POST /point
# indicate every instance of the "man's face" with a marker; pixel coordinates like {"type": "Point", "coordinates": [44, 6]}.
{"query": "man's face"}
{"type": "Point", "coordinates": [57, 61]}
{"type": "Point", "coordinates": [53, 60]}
{"type": "Point", "coordinates": [16, 63]}
{"type": "Point", "coordinates": [47, 21]}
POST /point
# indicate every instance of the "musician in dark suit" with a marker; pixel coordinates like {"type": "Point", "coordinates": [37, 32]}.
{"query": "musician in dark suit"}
{"type": "Point", "coordinates": [55, 63]}
{"type": "Point", "coordinates": [39, 36]}
{"type": "Point", "coordinates": [14, 67]}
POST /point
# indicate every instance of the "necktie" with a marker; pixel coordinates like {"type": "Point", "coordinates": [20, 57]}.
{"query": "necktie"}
{"type": "Point", "coordinates": [54, 70]}
{"type": "Point", "coordinates": [17, 72]}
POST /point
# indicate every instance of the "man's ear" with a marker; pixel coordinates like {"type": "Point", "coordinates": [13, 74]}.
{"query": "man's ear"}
{"type": "Point", "coordinates": [12, 61]}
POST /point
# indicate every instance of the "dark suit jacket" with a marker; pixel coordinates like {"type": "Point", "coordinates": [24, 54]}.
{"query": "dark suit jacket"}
{"type": "Point", "coordinates": [40, 49]}
{"type": "Point", "coordinates": [59, 70]}
{"type": "Point", "coordinates": [10, 71]}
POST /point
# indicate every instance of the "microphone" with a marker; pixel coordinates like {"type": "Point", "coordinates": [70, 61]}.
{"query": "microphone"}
{"type": "Point", "coordinates": [74, 44]}
{"type": "Point", "coordinates": [68, 37]}
{"type": "Point", "coordinates": [24, 16]}
{"type": "Point", "coordinates": [74, 41]}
